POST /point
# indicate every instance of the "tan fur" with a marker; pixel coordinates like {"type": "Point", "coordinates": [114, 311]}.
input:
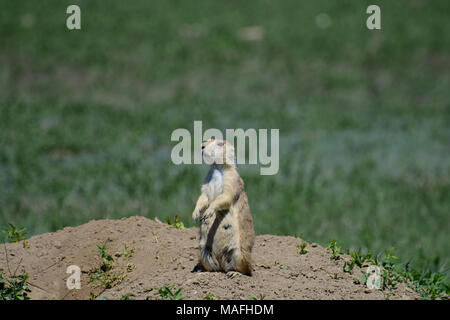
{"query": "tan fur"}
{"type": "Point", "coordinates": [226, 227]}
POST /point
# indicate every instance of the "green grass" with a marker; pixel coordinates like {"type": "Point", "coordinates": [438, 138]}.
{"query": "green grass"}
{"type": "Point", "coordinates": [364, 116]}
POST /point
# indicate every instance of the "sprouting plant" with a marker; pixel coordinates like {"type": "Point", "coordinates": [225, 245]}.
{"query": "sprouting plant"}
{"type": "Point", "coordinates": [127, 252]}
{"type": "Point", "coordinates": [358, 258]}
{"type": "Point", "coordinates": [104, 272]}
{"type": "Point", "coordinates": [128, 296]}
{"type": "Point", "coordinates": [106, 257]}
{"type": "Point", "coordinates": [277, 263]}
{"type": "Point", "coordinates": [176, 222]}
{"type": "Point", "coordinates": [348, 266]}
{"type": "Point", "coordinates": [302, 249]}
{"type": "Point", "coordinates": [209, 296]}
{"type": "Point", "coordinates": [167, 294]}
{"type": "Point", "coordinates": [261, 296]}
{"type": "Point", "coordinates": [335, 250]}
{"type": "Point", "coordinates": [389, 260]}
{"type": "Point", "coordinates": [15, 234]}
{"type": "Point", "coordinates": [335, 276]}
{"type": "Point", "coordinates": [94, 295]}
{"type": "Point", "coordinates": [130, 267]}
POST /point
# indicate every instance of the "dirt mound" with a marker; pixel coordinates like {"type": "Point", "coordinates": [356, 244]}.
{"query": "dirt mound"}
{"type": "Point", "coordinates": [143, 256]}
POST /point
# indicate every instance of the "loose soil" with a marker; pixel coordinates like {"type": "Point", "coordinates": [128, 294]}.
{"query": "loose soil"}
{"type": "Point", "coordinates": [149, 255]}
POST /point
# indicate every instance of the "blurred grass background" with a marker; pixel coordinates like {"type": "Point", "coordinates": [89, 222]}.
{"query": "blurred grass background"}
{"type": "Point", "coordinates": [364, 116]}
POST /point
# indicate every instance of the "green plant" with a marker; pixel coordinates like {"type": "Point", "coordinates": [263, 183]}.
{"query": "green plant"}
{"type": "Point", "coordinates": [348, 266]}
{"type": "Point", "coordinates": [302, 249]}
{"type": "Point", "coordinates": [127, 252]}
{"type": "Point", "coordinates": [14, 288]}
{"type": "Point", "coordinates": [107, 259]}
{"type": "Point", "coordinates": [335, 250]}
{"type": "Point", "coordinates": [358, 258]}
{"type": "Point", "coordinates": [15, 234]}
{"type": "Point", "coordinates": [128, 296]}
{"type": "Point", "coordinates": [104, 272]}
{"type": "Point", "coordinates": [176, 222]}
{"type": "Point", "coordinates": [130, 267]}
{"type": "Point", "coordinates": [167, 294]}
{"type": "Point", "coordinates": [94, 295]}
{"type": "Point", "coordinates": [431, 285]}
{"type": "Point", "coordinates": [209, 296]}
{"type": "Point", "coordinates": [261, 296]}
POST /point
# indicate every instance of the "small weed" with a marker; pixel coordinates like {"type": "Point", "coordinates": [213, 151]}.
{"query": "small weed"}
{"type": "Point", "coordinates": [335, 250]}
{"type": "Point", "coordinates": [277, 263]}
{"type": "Point", "coordinates": [128, 296]}
{"type": "Point", "coordinates": [302, 249]}
{"type": "Point", "coordinates": [94, 295]}
{"type": "Point", "coordinates": [130, 267]}
{"type": "Point", "coordinates": [106, 257]}
{"type": "Point", "coordinates": [104, 272]}
{"type": "Point", "coordinates": [261, 296]}
{"type": "Point", "coordinates": [348, 267]}
{"type": "Point", "coordinates": [335, 276]}
{"type": "Point", "coordinates": [15, 288]}
{"type": "Point", "coordinates": [127, 252]}
{"type": "Point", "coordinates": [358, 258]}
{"type": "Point", "coordinates": [209, 296]}
{"type": "Point", "coordinates": [15, 234]}
{"type": "Point", "coordinates": [167, 294]}
{"type": "Point", "coordinates": [176, 222]}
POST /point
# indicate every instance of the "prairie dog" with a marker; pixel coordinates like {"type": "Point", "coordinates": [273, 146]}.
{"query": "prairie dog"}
{"type": "Point", "coordinates": [226, 226]}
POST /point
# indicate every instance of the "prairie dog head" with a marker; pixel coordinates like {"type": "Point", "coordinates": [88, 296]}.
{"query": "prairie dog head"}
{"type": "Point", "coordinates": [218, 152]}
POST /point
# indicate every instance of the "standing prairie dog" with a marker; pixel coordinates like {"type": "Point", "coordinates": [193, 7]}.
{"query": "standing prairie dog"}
{"type": "Point", "coordinates": [226, 227]}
